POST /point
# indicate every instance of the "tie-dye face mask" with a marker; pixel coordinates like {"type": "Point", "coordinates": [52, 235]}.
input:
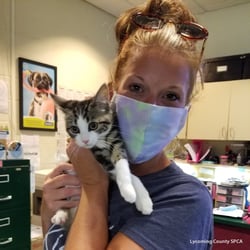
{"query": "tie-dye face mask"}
{"type": "Point", "coordinates": [146, 128]}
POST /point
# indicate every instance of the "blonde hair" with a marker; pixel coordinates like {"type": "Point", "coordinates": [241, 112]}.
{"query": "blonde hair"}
{"type": "Point", "coordinates": [133, 40]}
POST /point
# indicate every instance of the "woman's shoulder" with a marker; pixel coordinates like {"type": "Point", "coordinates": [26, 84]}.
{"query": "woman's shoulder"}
{"type": "Point", "coordinates": [172, 176]}
{"type": "Point", "coordinates": [182, 204]}
{"type": "Point", "coordinates": [172, 185]}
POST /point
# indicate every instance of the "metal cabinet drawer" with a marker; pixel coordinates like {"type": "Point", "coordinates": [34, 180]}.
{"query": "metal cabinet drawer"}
{"type": "Point", "coordinates": [231, 199]}
{"type": "Point", "coordinates": [230, 190]}
{"type": "Point", "coordinates": [14, 205]}
{"type": "Point", "coordinates": [15, 229]}
{"type": "Point", "coordinates": [14, 187]}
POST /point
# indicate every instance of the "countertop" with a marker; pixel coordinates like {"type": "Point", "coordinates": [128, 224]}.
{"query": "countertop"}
{"type": "Point", "coordinates": [235, 222]}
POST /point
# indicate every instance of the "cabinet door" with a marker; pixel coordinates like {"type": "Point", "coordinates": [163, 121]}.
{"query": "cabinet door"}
{"type": "Point", "coordinates": [237, 236]}
{"type": "Point", "coordinates": [239, 119]}
{"type": "Point", "coordinates": [208, 116]}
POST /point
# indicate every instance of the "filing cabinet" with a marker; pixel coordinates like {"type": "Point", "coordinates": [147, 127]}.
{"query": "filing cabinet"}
{"type": "Point", "coordinates": [15, 205]}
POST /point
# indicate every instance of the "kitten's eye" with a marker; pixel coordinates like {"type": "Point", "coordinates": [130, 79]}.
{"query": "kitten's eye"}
{"type": "Point", "coordinates": [74, 130]}
{"type": "Point", "coordinates": [93, 126]}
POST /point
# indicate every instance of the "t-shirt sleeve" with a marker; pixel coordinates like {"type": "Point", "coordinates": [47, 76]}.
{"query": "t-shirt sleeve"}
{"type": "Point", "coordinates": [55, 238]}
{"type": "Point", "coordinates": [181, 220]}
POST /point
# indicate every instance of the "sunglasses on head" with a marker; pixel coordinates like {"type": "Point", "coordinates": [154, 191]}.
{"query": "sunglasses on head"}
{"type": "Point", "coordinates": [189, 30]}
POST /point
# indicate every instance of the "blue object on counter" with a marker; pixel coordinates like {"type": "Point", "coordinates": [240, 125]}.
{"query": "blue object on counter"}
{"type": "Point", "coordinates": [246, 195]}
{"type": "Point", "coordinates": [228, 208]}
{"type": "Point", "coordinates": [15, 150]}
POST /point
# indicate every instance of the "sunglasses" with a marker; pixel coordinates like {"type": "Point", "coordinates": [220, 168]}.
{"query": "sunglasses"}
{"type": "Point", "coordinates": [188, 30]}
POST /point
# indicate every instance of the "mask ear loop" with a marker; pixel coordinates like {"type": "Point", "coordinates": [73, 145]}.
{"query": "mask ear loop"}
{"type": "Point", "coordinates": [188, 107]}
{"type": "Point", "coordinates": [112, 100]}
{"type": "Point", "coordinates": [113, 95]}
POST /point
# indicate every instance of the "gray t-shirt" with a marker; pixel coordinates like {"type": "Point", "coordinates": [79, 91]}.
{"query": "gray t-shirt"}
{"type": "Point", "coordinates": [182, 216]}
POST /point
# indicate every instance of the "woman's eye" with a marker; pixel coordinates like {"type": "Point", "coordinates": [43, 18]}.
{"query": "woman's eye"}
{"type": "Point", "coordinates": [74, 130]}
{"type": "Point", "coordinates": [93, 126]}
{"type": "Point", "coordinates": [171, 97]}
{"type": "Point", "coordinates": [135, 88]}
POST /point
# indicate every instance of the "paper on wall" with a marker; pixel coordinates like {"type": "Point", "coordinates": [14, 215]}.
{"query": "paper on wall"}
{"type": "Point", "coordinates": [3, 97]}
{"type": "Point", "coordinates": [31, 151]}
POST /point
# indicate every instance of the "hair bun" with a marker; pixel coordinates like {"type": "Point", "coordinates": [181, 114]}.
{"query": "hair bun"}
{"type": "Point", "coordinates": [167, 9]}
{"type": "Point", "coordinates": [156, 7]}
{"type": "Point", "coordinates": [123, 25]}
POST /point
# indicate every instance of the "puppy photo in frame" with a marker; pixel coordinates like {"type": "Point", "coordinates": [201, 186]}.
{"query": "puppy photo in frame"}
{"type": "Point", "coordinates": [36, 81]}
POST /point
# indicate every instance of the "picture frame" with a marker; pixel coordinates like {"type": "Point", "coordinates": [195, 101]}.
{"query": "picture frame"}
{"type": "Point", "coordinates": [37, 110]}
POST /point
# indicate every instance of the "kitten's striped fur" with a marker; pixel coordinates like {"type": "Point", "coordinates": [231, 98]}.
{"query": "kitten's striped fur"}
{"type": "Point", "coordinates": [93, 124]}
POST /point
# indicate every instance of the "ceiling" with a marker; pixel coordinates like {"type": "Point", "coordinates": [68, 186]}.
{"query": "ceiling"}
{"type": "Point", "coordinates": [115, 7]}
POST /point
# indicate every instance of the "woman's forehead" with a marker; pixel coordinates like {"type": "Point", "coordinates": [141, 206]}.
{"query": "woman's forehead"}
{"type": "Point", "coordinates": [154, 61]}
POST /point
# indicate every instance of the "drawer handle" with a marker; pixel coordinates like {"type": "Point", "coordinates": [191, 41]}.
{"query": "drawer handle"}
{"type": "Point", "coordinates": [7, 241]}
{"type": "Point", "coordinates": [5, 222]}
{"type": "Point", "coordinates": [6, 198]}
{"type": "Point", "coordinates": [4, 178]}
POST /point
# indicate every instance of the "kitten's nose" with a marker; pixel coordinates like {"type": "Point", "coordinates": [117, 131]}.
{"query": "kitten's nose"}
{"type": "Point", "coordinates": [85, 141]}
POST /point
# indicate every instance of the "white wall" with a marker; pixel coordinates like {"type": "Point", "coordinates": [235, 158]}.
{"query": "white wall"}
{"type": "Point", "coordinates": [229, 31]}
{"type": "Point", "coordinates": [72, 35]}
{"type": "Point", "coordinates": [5, 56]}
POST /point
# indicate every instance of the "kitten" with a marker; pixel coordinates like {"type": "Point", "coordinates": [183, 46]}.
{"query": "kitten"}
{"type": "Point", "coordinates": [93, 124]}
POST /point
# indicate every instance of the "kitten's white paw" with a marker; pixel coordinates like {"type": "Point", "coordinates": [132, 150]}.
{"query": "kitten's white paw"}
{"type": "Point", "coordinates": [128, 193]}
{"type": "Point", "coordinates": [60, 217]}
{"type": "Point", "coordinates": [144, 204]}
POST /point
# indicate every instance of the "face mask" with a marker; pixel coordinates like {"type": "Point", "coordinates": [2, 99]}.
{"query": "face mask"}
{"type": "Point", "coordinates": [146, 128]}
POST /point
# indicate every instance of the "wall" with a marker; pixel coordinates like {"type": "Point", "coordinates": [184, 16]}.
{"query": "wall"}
{"type": "Point", "coordinates": [229, 31]}
{"type": "Point", "coordinates": [5, 56]}
{"type": "Point", "coordinates": [70, 34]}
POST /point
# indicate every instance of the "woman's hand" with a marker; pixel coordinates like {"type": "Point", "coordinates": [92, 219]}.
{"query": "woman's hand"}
{"type": "Point", "coordinates": [88, 169]}
{"type": "Point", "coordinates": [57, 189]}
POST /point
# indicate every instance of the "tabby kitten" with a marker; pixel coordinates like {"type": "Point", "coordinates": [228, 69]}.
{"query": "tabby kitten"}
{"type": "Point", "coordinates": [93, 124]}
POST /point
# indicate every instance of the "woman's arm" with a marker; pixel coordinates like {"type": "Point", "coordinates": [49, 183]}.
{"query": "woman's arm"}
{"type": "Point", "coordinates": [90, 228]}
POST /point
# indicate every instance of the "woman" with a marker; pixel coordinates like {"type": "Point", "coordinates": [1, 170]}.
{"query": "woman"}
{"type": "Point", "coordinates": [156, 67]}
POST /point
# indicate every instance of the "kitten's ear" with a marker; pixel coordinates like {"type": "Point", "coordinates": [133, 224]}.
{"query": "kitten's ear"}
{"type": "Point", "coordinates": [102, 94]}
{"type": "Point", "coordinates": [60, 102]}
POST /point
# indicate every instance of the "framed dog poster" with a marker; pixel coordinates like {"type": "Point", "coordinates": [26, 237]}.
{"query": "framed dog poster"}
{"type": "Point", "coordinates": [36, 81]}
